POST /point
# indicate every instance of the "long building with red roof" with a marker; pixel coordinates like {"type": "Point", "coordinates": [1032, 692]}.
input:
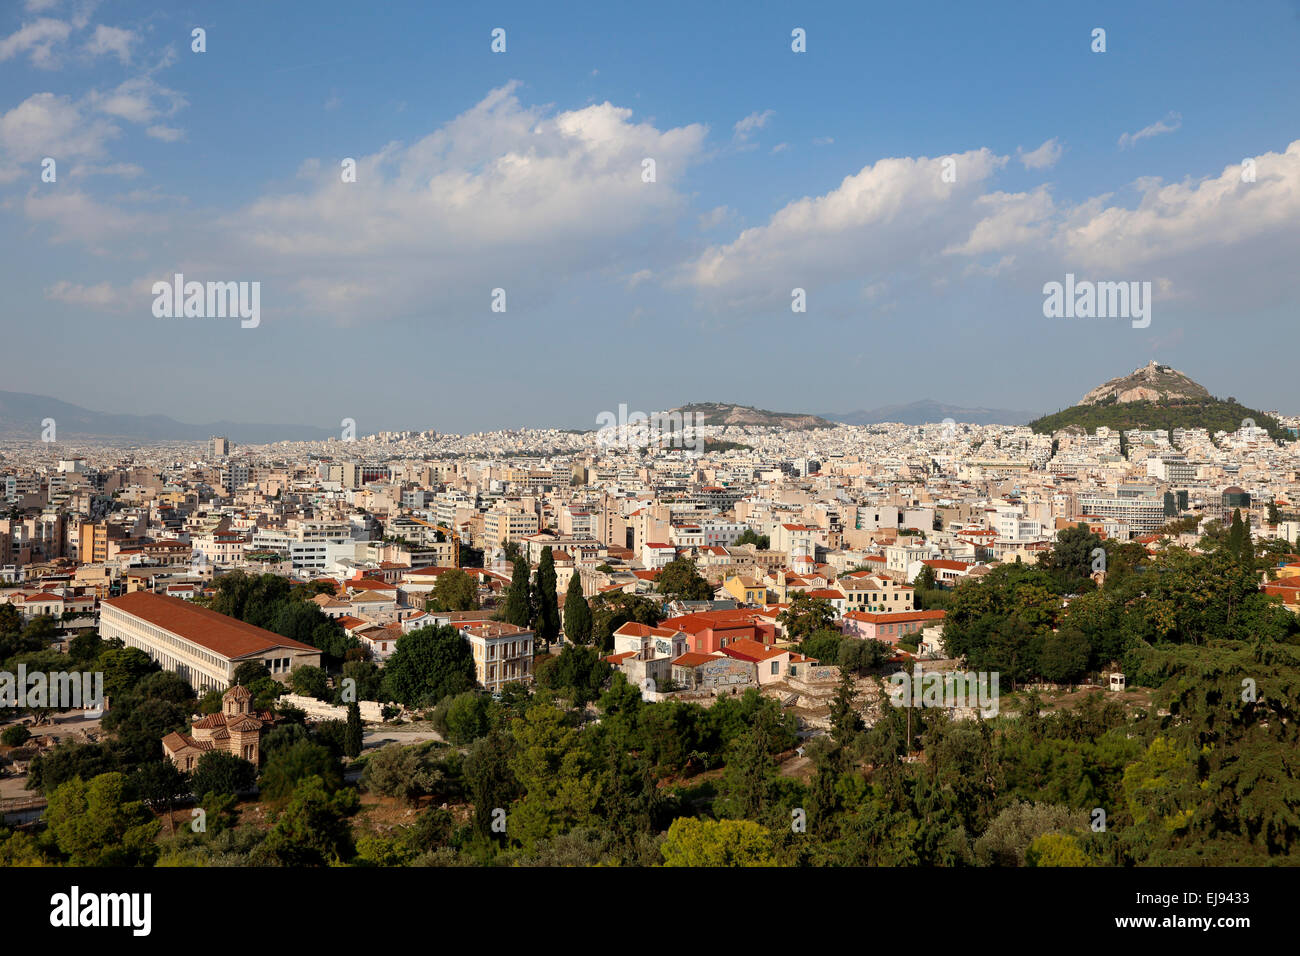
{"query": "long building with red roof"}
{"type": "Point", "coordinates": [197, 643]}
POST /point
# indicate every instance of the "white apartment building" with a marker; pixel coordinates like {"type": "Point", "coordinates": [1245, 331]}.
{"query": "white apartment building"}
{"type": "Point", "coordinates": [1013, 526]}
{"type": "Point", "coordinates": [899, 557]}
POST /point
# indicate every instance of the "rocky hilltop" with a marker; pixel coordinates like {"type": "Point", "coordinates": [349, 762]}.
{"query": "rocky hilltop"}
{"type": "Point", "coordinates": [1152, 382]}
{"type": "Point", "coordinates": [724, 413]}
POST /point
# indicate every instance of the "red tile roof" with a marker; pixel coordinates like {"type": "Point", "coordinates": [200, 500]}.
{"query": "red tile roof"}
{"type": "Point", "coordinates": [894, 617]}
{"type": "Point", "coordinates": [693, 659]}
{"type": "Point", "coordinates": [747, 650]}
{"type": "Point", "coordinates": [216, 632]}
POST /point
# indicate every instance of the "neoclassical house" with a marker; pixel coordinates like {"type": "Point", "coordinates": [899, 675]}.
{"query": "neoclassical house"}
{"type": "Point", "coordinates": [237, 730]}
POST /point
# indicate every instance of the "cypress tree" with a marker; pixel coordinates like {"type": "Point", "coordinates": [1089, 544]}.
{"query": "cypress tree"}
{"type": "Point", "coordinates": [352, 733]}
{"type": "Point", "coordinates": [518, 606]}
{"type": "Point", "coordinates": [577, 613]}
{"type": "Point", "coordinates": [548, 602]}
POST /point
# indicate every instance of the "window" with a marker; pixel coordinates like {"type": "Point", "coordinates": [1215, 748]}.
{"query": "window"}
{"type": "Point", "coordinates": [774, 667]}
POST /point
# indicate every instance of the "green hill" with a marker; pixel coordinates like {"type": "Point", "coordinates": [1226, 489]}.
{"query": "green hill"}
{"type": "Point", "coordinates": [1212, 414]}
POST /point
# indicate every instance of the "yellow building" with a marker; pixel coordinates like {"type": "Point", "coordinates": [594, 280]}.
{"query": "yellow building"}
{"type": "Point", "coordinates": [745, 589]}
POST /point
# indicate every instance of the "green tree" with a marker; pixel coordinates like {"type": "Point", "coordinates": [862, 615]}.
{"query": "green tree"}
{"type": "Point", "coordinates": [97, 824]}
{"type": "Point", "coordinates": [554, 773]}
{"type": "Point", "coordinates": [368, 677]}
{"type": "Point", "coordinates": [1064, 656]}
{"type": "Point", "coordinates": [490, 780]}
{"type": "Point", "coordinates": [695, 842]}
{"type": "Point", "coordinates": [313, 829]}
{"type": "Point", "coordinates": [352, 737]}
{"type": "Point", "coordinates": [1239, 543]}
{"type": "Point", "coordinates": [289, 766]}
{"type": "Point", "coordinates": [806, 616]}
{"type": "Point", "coordinates": [222, 773]}
{"type": "Point", "coordinates": [250, 672]}
{"type": "Point", "coordinates": [429, 664]}
{"type": "Point", "coordinates": [85, 647]}
{"type": "Point", "coordinates": [860, 656]}
{"type": "Point", "coordinates": [468, 716]}
{"type": "Point", "coordinates": [67, 761]}
{"type": "Point", "coordinates": [309, 681]}
{"type": "Point", "coordinates": [577, 613]}
{"type": "Point", "coordinates": [1056, 849]}
{"type": "Point", "coordinates": [519, 608]}
{"type": "Point", "coordinates": [123, 668]}
{"type": "Point", "coordinates": [400, 772]}
{"type": "Point", "coordinates": [1007, 840]}
{"type": "Point", "coordinates": [823, 646]}
{"type": "Point", "coordinates": [577, 671]}
{"type": "Point", "coordinates": [846, 722]}
{"type": "Point", "coordinates": [679, 579]}
{"type": "Point", "coordinates": [454, 590]}
{"type": "Point", "coordinates": [159, 784]}
{"type": "Point", "coordinates": [548, 600]}
{"type": "Point", "coordinates": [1070, 560]}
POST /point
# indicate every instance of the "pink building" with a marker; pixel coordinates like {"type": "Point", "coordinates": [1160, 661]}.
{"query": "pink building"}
{"type": "Point", "coordinates": [889, 628]}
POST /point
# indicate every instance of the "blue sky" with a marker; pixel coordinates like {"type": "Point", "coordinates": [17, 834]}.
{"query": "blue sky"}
{"type": "Point", "coordinates": [522, 170]}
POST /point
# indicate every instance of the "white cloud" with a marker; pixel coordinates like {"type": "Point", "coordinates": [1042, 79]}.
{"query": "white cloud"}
{"type": "Point", "coordinates": [48, 125]}
{"type": "Point", "coordinates": [1216, 241]}
{"type": "Point", "coordinates": [138, 100]}
{"type": "Point", "coordinates": [168, 134]}
{"type": "Point", "coordinates": [501, 196]}
{"type": "Point", "coordinates": [100, 296]}
{"type": "Point", "coordinates": [73, 216]}
{"type": "Point", "coordinates": [780, 147]}
{"type": "Point", "coordinates": [882, 217]}
{"type": "Point", "coordinates": [126, 170]}
{"type": "Point", "coordinates": [112, 40]}
{"type": "Point", "coordinates": [38, 40]}
{"type": "Point", "coordinates": [1194, 221]}
{"type": "Point", "coordinates": [1044, 157]}
{"type": "Point", "coordinates": [715, 217]}
{"type": "Point", "coordinates": [1007, 220]}
{"type": "Point", "coordinates": [1167, 125]}
{"type": "Point", "coordinates": [751, 123]}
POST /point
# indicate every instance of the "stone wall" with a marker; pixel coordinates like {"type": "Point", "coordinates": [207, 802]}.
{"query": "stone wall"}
{"type": "Point", "coordinates": [371, 711]}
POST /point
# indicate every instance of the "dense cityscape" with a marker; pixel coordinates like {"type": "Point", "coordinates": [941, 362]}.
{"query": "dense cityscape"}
{"type": "Point", "coordinates": [623, 646]}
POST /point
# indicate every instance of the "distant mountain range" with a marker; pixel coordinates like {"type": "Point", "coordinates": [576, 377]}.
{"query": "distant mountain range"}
{"type": "Point", "coordinates": [21, 415]}
{"type": "Point", "coordinates": [1156, 397]}
{"type": "Point", "coordinates": [927, 412]}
